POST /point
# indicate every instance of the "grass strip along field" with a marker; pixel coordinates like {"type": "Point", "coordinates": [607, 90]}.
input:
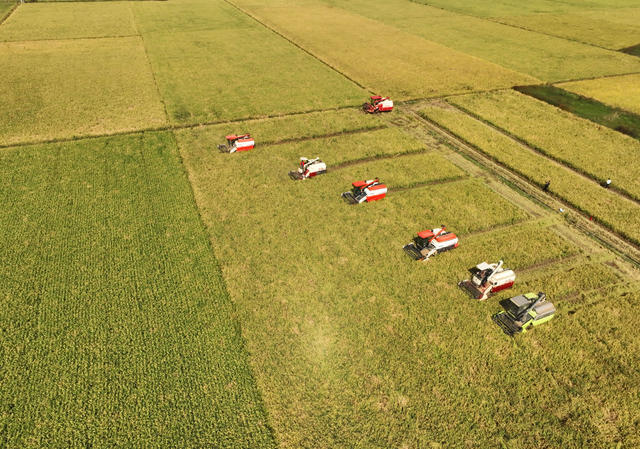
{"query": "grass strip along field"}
{"type": "Point", "coordinates": [116, 329]}
{"type": "Point", "coordinates": [5, 10]}
{"type": "Point", "coordinates": [620, 91]}
{"type": "Point", "coordinates": [544, 57]}
{"type": "Point", "coordinates": [69, 88]}
{"type": "Point", "coordinates": [206, 76]}
{"type": "Point", "coordinates": [614, 118]}
{"type": "Point", "coordinates": [616, 212]}
{"type": "Point", "coordinates": [587, 147]}
{"type": "Point", "coordinates": [366, 50]}
{"type": "Point", "coordinates": [66, 21]}
{"type": "Point", "coordinates": [355, 345]}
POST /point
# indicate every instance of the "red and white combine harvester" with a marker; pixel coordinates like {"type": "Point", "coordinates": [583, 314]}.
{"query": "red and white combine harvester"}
{"type": "Point", "coordinates": [370, 190]}
{"type": "Point", "coordinates": [430, 242]}
{"type": "Point", "coordinates": [487, 279]}
{"type": "Point", "coordinates": [378, 104]}
{"type": "Point", "coordinates": [309, 168]}
{"type": "Point", "coordinates": [235, 143]}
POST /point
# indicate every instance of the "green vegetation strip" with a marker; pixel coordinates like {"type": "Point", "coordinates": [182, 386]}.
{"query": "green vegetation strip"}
{"type": "Point", "coordinates": [116, 328]}
{"type": "Point", "coordinates": [618, 213]}
{"type": "Point", "coordinates": [634, 50]}
{"type": "Point", "coordinates": [611, 117]}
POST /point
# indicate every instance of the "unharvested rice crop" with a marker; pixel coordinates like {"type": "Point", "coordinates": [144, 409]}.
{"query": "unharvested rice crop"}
{"type": "Point", "coordinates": [116, 328]}
{"type": "Point", "coordinates": [620, 91]}
{"type": "Point", "coordinates": [207, 76]}
{"type": "Point", "coordinates": [545, 57]}
{"type": "Point", "coordinates": [366, 50]}
{"type": "Point", "coordinates": [612, 28]}
{"type": "Point", "coordinates": [68, 88]}
{"type": "Point", "coordinates": [620, 214]}
{"type": "Point", "coordinates": [595, 150]}
{"type": "Point", "coordinates": [35, 21]}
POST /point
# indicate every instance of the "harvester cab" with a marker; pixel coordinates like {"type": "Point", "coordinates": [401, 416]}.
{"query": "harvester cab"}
{"type": "Point", "coordinates": [235, 143]}
{"type": "Point", "coordinates": [487, 279]}
{"type": "Point", "coordinates": [430, 242]}
{"type": "Point", "coordinates": [524, 311]}
{"type": "Point", "coordinates": [369, 190]}
{"type": "Point", "coordinates": [378, 104]}
{"type": "Point", "coordinates": [308, 168]}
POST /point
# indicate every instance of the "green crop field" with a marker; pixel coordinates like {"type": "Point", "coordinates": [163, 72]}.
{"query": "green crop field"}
{"type": "Point", "coordinates": [157, 292]}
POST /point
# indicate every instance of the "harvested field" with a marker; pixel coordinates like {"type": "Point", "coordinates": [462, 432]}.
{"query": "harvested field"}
{"type": "Point", "coordinates": [620, 91]}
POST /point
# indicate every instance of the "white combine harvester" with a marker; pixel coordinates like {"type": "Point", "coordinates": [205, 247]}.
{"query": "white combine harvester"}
{"type": "Point", "coordinates": [430, 242]}
{"type": "Point", "coordinates": [309, 168]}
{"type": "Point", "coordinates": [487, 279]}
{"type": "Point", "coordinates": [235, 143]}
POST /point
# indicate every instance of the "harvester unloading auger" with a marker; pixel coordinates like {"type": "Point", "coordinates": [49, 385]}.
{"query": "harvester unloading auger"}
{"type": "Point", "coordinates": [378, 104]}
{"type": "Point", "coordinates": [430, 242]}
{"type": "Point", "coordinates": [524, 311]}
{"type": "Point", "coordinates": [487, 279]}
{"type": "Point", "coordinates": [243, 142]}
{"type": "Point", "coordinates": [369, 190]}
{"type": "Point", "coordinates": [308, 168]}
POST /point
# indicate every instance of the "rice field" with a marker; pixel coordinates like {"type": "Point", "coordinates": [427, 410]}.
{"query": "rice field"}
{"type": "Point", "coordinates": [620, 91]}
{"type": "Point", "coordinates": [156, 292]}
{"type": "Point", "coordinates": [80, 87]}
{"type": "Point", "coordinates": [116, 326]}
{"type": "Point", "coordinates": [69, 20]}
{"type": "Point", "coordinates": [592, 149]}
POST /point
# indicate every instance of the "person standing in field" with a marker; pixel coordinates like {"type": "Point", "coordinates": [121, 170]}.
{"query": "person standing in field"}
{"type": "Point", "coordinates": [546, 186]}
{"type": "Point", "coordinates": [607, 183]}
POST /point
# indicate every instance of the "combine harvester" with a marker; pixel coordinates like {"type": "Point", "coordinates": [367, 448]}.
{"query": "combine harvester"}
{"type": "Point", "coordinates": [235, 143]}
{"type": "Point", "coordinates": [487, 279]}
{"type": "Point", "coordinates": [524, 311]}
{"type": "Point", "coordinates": [370, 190]}
{"type": "Point", "coordinates": [378, 104]}
{"type": "Point", "coordinates": [430, 242]}
{"type": "Point", "coordinates": [309, 168]}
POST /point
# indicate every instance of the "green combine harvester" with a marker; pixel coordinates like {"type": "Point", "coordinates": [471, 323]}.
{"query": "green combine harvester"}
{"type": "Point", "coordinates": [523, 312]}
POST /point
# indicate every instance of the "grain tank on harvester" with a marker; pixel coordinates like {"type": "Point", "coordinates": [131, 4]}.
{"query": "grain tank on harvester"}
{"type": "Point", "coordinates": [487, 279]}
{"type": "Point", "coordinates": [430, 242]}
{"type": "Point", "coordinates": [241, 142]}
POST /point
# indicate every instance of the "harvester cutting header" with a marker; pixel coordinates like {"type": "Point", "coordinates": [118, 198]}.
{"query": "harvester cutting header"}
{"type": "Point", "coordinates": [309, 168]}
{"type": "Point", "coordinates": [430, 242]}
{"type": "Point", "coordinates": [369, 190]}
{"type": "Point", "coordinates": [378, 104]}
{"type": "Point", "coordinates": [235, 143]}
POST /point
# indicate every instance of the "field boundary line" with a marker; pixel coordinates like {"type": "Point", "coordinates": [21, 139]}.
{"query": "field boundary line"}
{"type": "Point", "coordinates": [292, 42]}
{"type": "Point", "coordinates": [519, 27]}
{"type": "Point", "coordinates": [379, 157]}
{"type": "Point", "coordinates": [591, 78]}
{"type": "Point", "coordinates": [433, 182]}
{"type": "Point", "coordinates": [63, 39]}
{"type": "Point", "coordinates": [11, 11]}
{"type": "Point", "coordinates": [153, 73]}
{"type": "Point", "coordinates": [537, 150]}
{"type": "Point", "coordinates": [170, 127]}
{"type": "Point", "coordinates": [236, 323]}
{"type": "Point", "coordinates": [573, 216]}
